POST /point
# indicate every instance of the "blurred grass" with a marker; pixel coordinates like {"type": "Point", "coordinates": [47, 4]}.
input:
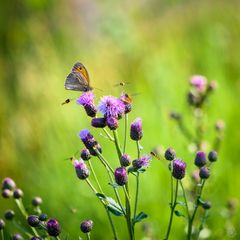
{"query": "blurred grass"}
{"type": "Point", "coordinates": [154, 45]}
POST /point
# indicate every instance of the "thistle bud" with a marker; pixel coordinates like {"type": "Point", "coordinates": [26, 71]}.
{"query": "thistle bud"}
{"type": "Point", "coordinates": [112, 123]}
{"type": "Point", "coordinates": [81, 169]}
{"type": "Point", "coordinates": [136, 132]}
{"type": "Point", "coordinates": [99, 122]}
{"type": "Point", "coordinates": [200, 159]}
{"type": "Point", "coordinates": [43, 217]}
{"type": "Point", "coordinates": [6, 193]}
{"type": "Point", "coordinates": [8, 183]}
{"type": "Point", "coordinates": [85, 154]}
{"type": "Point", "coordinates": [33, 221]}
{"type": "Point", "coordinates": [178, 170]}
{"type": "Point", "coordinates": [36, 201]}
{"type": "Point", "coordinates": [204, 173]}
{"type": "Point", "coordinates": [53, 227]}
{"type": "Point", "coordinates": [170, 154]}
{"type": "Point", "coordinates": [125, 160]}
{"type": "Point", "coordinates": [212, 156]}
{"type": "Point", "coordinates": [18, 193]}
{"type": "Point", "coordinates": [207, 205]}
{"type": "Point", "coordinates": [9, 214]}
{"type": "Point", "coordinates": [17, 236]}
{"type": "Point", "coordinates": [86, 226]}
{"type": "Point", "coordinates": [2, 224]}
{"type": "Point", "coordinates": [121, 176]}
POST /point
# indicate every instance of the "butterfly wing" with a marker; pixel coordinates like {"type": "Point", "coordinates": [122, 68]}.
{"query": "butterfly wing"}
{"type": "Point", "coordinates": [77, 82]}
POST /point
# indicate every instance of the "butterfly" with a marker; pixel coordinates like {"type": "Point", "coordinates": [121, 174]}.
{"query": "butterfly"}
{"type": "Point", "coordinates": [78, 79]}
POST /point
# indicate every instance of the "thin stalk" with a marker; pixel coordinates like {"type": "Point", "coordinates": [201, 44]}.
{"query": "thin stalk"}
{"type": "Point", "coordinates": [204, 218]}
{"type": "Point", "coordinates": [173, 205]}
{"type": "Point", "coordinates": [2, 234]}
{"type": "Point", "coordinates": [185, 200]}
{"type": "Point", "coordinates": [195, 210]}
{"type": "Point", "coordinates": [125, 133]}
{"type": "Point", "coordinates": [24, 213]}
{"type": "Point", "coordinates": [95, 176]}
{"type": "Point", "coordinates": [137, 183]}
{"type": "Point", "coordinates": [58, 238]}
{"type": "Point", "coordinates": [108, 135]}
{"type": "Point", "coordinates": [185, 131]}
{"type": "Point", "coordinates": [21, 229]}
{"type": "Point", "coordinates": [117, 144]}
{"type": "Point", "coordinates": [104, 161]}
{"type": "Point", "coordinates": [88, 236]}
{"type": "Point", "coordinates": [109, 216]}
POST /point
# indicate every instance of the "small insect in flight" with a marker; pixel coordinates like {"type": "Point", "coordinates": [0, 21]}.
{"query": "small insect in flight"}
{"type": "Point", "coordinates": [68, 100]}
{"type": "Point", "coordinates": [155, 155]}
{"type": "Point", "coordinates": [122, 84]}
{"type": "Point", "coordinates": [78, 79]}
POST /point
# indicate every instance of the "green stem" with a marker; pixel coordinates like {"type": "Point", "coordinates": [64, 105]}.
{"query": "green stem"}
{"type": "Point", "coordinates": [88, 236]}
{"type": "Point", "coordinates": [104, 161]}
{"type": "Point", "coordinates": [195, 210]}
{"type": "Point", "coordinates": [108, 135]}
{"type": "Point", "coordinates": [117, 144]}
{"type": "Point", "coordinates": [24, 213]}
{"type": "Point", "coordinates": [108, 214]}
{"type": "Point", "coordinates": [95, 176]}
{"type": "Point", "coordinates": [204, 218]}
{"type": "Point", "coordinates": [185, 200]}
{"type": "Point", "coordinates": [125, 133]}
{"type": "Point", "coordinates": [173, 205]}
{"type": "Point", "coordinates": [2, 234]}
{"type": "Point", "coordinates": [21, 229]}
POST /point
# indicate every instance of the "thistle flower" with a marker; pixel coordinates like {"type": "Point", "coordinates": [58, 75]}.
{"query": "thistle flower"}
{"type": "Point", "coordinates": [6, 193]}
{"type": "Point", "coordinates": [111, 106]}
{"type": "Point", "coordinates": [98, 122]}
{"type": "Point", "coordinates": [53, 227]}
{"type": "Point", "coordinates": [136, 132]}
{"type": "Point", "coordinates": [121, 176]}
{"type": "Point", "coordinates": [8, 183]}
{"type": "Point", "coordinates": [81, 169]}
{"type": "Point", "coordinates": [142, 162]}
{"type": "Point", "coordinates": [18, 193]}
{"type": "Point", "coordinates": [200, 159]}
{"type": "Point", "coordinates": [17, 236]}
{"type": "Point", "coordinates": [2, 224]}
{"type": "Point", "coordinates": [178, 170]}
{"type": "Point", "coordinates": [170, 154]}
{"type": "Point", "coordinates": [204, 173]}
{"type": "Point", "coordinates": [89, 141]}
{"type": "Point", "coordinates": [36, 201]}
{"type": "Point", "coordinates": [9, 214]}
{"type": "Point", "coordinates": [85, 154]}
{"type": "Point", "coordinates": [207, 205]}
{"type": "Point", "coordinates": [199, 83]}
{"type": "Point", "coordinates": [212, 156]}
{"type": "Point", "coordinates": [125, 160]}
{"type": "Point", "coordinates": [127, 101]}
{"type": "Point", "coordinates": [112, 123]}
{"type": "Point", "coordinates": [43, 217]}
{"type": "Point", "coordinates": [33, 221]}
{"type": "Point", "coordinates": [87, 101]}
{"type": "Point", "coordinates": [86, 226]}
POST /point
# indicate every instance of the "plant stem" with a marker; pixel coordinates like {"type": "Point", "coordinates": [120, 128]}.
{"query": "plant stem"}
{"type": "Point", "coordinates": [202, 223]}
{"type": "Point", "coordinates": [24, 213]}
{"type": "Point", "coordinates": [108, 135]}
{"type": "Point", "coordinates": [88, 236]}
{"type": "Point", "coordinates": [117, 144]}
{"type": "Point", "coordinates": [58, 238]}
{"type": "Point", "coordinates": [21, 229]}
{"type": "Point", "coordinates": [104, 161]}
{"type": "Point", "coordinates": [173, 205]}
{"type": "Point", "coordinates": [185, 200]}
{"type": "Point", "coordinates": [2, 234]}
{"type": "Point", "coordinates": [95, 176]}
{"type": "Point", "coordinates": [125, 133]}
{"type": "Point", "coordinates": [195, 210]}
{"type": "Point", "coordinates": [109, 215]}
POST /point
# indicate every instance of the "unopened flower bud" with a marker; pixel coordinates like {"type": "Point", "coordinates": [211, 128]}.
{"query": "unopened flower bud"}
{"type": "Point", "coordinates": [170, 154]}
{"type": "Point", "coordinates": [179, 168]}
{"type": "Point", "coordinates": [125, 160]}
{"type": "Point", "coordinates": [121, 176]}
{"type": "Point", "coordinates": [204, 173]}
{"type": "Point", "coordinates": [9, 214]}
{"type": "Point", "coordinates": [112, 123]}
{"type": "Point", "coordinates": [86, 226]}
{"type": "Point", "coordinates": [18, 193]}
{"type": "Point", "coordinates": [85, 154]}
{"type": "Point", "coordinates": [53, 227]}
{"type": "Point", "coordinates": [200, 159]}
{"type": "Point", "coordinates": [36, 201]}
{"type": "Point", "coordinates": [207, 205]}
{"type": "Point", "coordinates": [81, 169]}
{"type": "Point", "coordinates": [6, 193]}
{"type": "Point", "coordinates": [212, 156]}
{"type": "Point", "coordinates": [33, 221]}
{"type": "Point", "coordinates": [2, 224]}
{"type": "Point", "coordinates": [43, 217]}
{"type": "Point", "coordinates": [99, 122]}
{"type": "Point", "coordinates": [8, 183]}
{"type": "Point", "coordinates": [142, 162]}
{"type": "Point", "coordinates": [136, 132]}
{"type": "Point", "coordinates": [17, 236]}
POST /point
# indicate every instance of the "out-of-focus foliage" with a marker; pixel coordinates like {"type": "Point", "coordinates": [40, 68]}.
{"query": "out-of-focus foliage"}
{"type": "Point", "coordinates": [154, 45]}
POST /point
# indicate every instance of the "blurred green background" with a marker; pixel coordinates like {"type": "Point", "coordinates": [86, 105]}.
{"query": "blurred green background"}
{"type": "Point", "coordinates": [154, 45]}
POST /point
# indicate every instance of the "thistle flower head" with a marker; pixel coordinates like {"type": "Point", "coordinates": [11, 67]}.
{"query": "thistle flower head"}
{"type": "Point", "coordinates": [112, 123]}
{"type": "Point", "coordinates": [18, 193]}
{"type": "Point", "coordinates": [179, 168]}
{"type": "Point", "coordinates": [121, 176]}
{"type": "Point", "coordinates": [87, 101]}
{"type": "Point", "coordinates": [204, 173]}
{"type": "Point", "coordinates": [212, 156]}
{"type": "Point", "coordinates": [8, 183]}
{"type": "Point", "coordinates": [125, 160]}
{"type": "Point", "coordinates": [98, 122]}
{"type": "Point", "coordinates": [6, 193]}
{"type": "Point", "coordinates": [142, 162]}
{"type": "Point", "coordinates": [2, 224]}
{"type": "Point", "coordinates": [36, 201]}
{"type": "Point", "coordinates": [85, 154]}
{"type": "Point", "coordinates": [86, 226]}
{"type": "Point", "coordinates": [200, 159]}
{"type": "Point", "coordinates": [17, 236]}
{"type": "Point", "coordinates": [136, 132]}
{"type": "Point", "coordinates": [207, 205]}
{"type": "Point", "coordinates": [170, 154]}
{"type": "Point", "coordinates": [9, 214]}
{"type": "Point", "coordinates": [81, 169]}
{"type": "Point", "coordinates": [53, 227]}
{"type": "Point", "coordinates": [33, 221]}
{"type": "Point", "coordinates": [199, 82]}
{"type": "Point", "coordinates": [111, 106]}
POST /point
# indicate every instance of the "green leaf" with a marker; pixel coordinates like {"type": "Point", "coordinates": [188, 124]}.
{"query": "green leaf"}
{"type": "Point", "coordinates": [140, 217]}
{"type": "Point", "coordinates": [111, 204]}
{"type": "Point", "coordinates": [178, 214]}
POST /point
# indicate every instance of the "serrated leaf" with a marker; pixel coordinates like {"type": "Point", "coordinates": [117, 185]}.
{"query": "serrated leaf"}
{"type": "Point", "coordinates": [178, 214]}
{"type": "Point", "coordinates": [140, 217]}
{"type": "Point", "coordinates": [111, 204]}
{"type": "Point", "coordinates": [181, 203]}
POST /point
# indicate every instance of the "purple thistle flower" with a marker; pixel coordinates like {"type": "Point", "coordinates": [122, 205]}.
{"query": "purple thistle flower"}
{"type": "Point", "coordinates": [112, 123]}
{"type": "Point", "coordinates": [125, 160]}
{"type": "Point", "coordinates": [89, 141]}
{"type": "Point", "coordinates": [8, 183]}
{"type": "Point", "coordinates": [85, 154]}
{"type": "Point", "coordinates": [212, 156]}
{"type": "Point", "coordinates": [53, 227]}
{"type": "Point", "coordinates": [81, 169]}
{"type": "Point", "coordinates": [99, 122]}
{"type": "Point", "coordinates": [86, 226]}
{"type": "Point", "coordinates": [121, 176]}
{"type": "Point", "coordinates": [199, 83]}
{"type": "Point", "coordinates": [200, 159]}
{"type": "Point", "coordinates": [111, 106]}
{"type": "Point", "coordinates": [136, 132]}
{"type": "Point", "coordinates": [33, 221]}
{"type": "Point", "coordinates": [204, 173]}
{"type": "Point", "coordinates": [144, 161]}
{"type": "Point", "coordinates": [127, 101]}
{"type": "Point", "coordinates": [87, 101]}
{"type": "Point", "coordinates": [178, 170]}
